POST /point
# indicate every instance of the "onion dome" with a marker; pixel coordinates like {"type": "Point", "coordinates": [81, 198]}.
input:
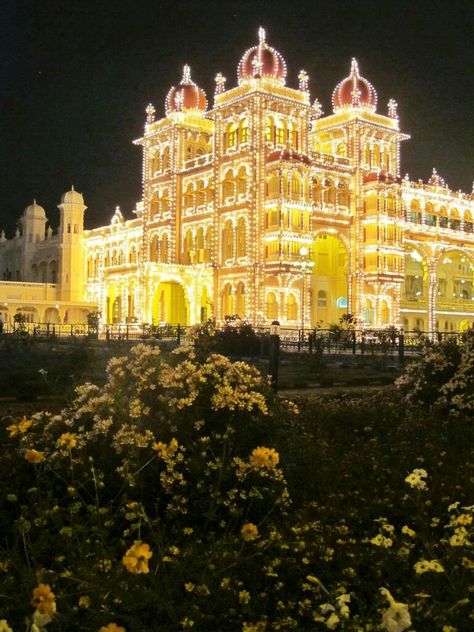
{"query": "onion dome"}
{"type": "Point", "coordinates": [288, 155]}
{"type": "Point", "coordinates": [34, 211]}
{"type": "Point", "coordinates": [354, 92]}
{"type": "Point", "coordinates": [72, 197]}
{"type": "Point", "coordinates": [186, 95]}
{"type": "Point", "coordinates": [261, 61]}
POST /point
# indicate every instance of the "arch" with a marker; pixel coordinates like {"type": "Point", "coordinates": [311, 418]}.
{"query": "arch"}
{"type": "Point", "coordinates": [132, 254]}
{"type": "Point", "coordinates": [316, 191]}
{"type": "Point", "coordinates": [291, 307]}
{"type": "Point", "coordinates": [281, 133]}
{"type": "Point", "coordinates": [240, 300]}
{"type": "Point", "coordinates": [243, 131]}
{"type": "Point", "coordinates": [155, 161]}
{"type": "Point", "coordinates": [329, 278]}
{"type": "Point", "coordinates": [228, 241]}
{"type": "Point", "coordinates": [241, 237]}
{"type": "Point", "coordinates": [271, 305]}
{"type": "Point", "coordinates": [227, 301]}
{"type": "Point", "coordinates": [416, 283]}
{"type": "Point", "coordinates": [341, 150]}
{"type": "Point", "coordinates": [155, 203]}
{"type": "Point", "coordinates": [384, 311]}
{"type": "Point", "coordinates": [342, 194]}
{"type": "Point", "coordinates": [206, 305]}
{"type": "Point", "coordinates": [51, 316]}
{"type": "Point", "coordinates": [468, 223]}
{"type": "Point", "coordinates": [430, 216]}
{"type": "Point", "coordinates": [454, 282]}
{"type": "Point", "coordinates": [295, 186]}
{"type": "Point", "coordinates": [113, 305]}
{"type": "Point", "coordinates": [415, 212]}
{"type": "Point", "coordinates": [329, 192]}
{"type": "Point", "coordinates": [165, 200]}
{"type": "Point", "coordinates": [376, 155]}
{"type": "Point", "coordinates": [189, 196]}
{"type": "Point", "coordinates": [170, 304]}
{"type": "Point", "coordinates": [443, 221]}
{"type": "Point", "coordinates": [154, 248]}
{"type": "Point", "coordinates": [369, 311]}
{"type": "Point", "coordinates": [189, 246]}
{"type": "Point", "coordinates": [231, 136]}
{"type": "Point", "coordinates": [270, 130]}
{"type": "Point", "coordinates": [165, 158]}
{"type": "Point", "coordinates": [273, 185]}
{"type": "Point", "coordinates": [164, 248]}
{"type": "Point", "coordinates": [242, 182]}
{"type": "Point", "coordinates": [229, 185]}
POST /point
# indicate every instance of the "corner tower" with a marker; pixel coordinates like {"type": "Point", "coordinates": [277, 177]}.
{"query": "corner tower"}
{"type": "Point", "coordinates": [71, 244]}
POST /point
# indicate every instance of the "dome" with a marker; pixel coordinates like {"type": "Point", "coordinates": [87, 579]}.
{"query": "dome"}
{"type": "Point", "coordinates": [186, 95]}
{"type": "Point", "coordinates": [354, 91]}
{"type": "Point", "coordinates": [289, 155]}
{"type": "Point", "coordinates": [72, 197]}
{"type": "Point", "coordinates": [261, 61]}
{"type": "Point", "coordinates": [34, 210]}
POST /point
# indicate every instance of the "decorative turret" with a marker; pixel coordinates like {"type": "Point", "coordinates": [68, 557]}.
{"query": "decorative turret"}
{"type": "Point", "coordinates": [354, 92]}
{"type": "Point", "coordinates": [71, 235]}
{"type": "Point", "coordinates": [261, 61]}
{"type": "Point", "coordinates": [186, 96]}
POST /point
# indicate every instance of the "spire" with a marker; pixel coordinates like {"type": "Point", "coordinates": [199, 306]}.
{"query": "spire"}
{"type": "Point", "coordinates": [261, 35]}
{"type": "Point", "coordinates": [303, 81]}
{"type": "Point", "coordinates": [354, 68]}
{"type": "Point", "coordinates": [72, 187]}
{"type": "Point", "coordinates": [186, 75]}
{"type": "Point", "coordinates": [392, 109]}
{"type": "Point", "coordinates": [220, 83]}
{"type": "Point", "coordinates": [150, 113]}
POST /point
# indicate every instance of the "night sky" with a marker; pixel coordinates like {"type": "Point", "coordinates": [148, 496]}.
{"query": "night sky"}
{"type": "Point", "coordinates": [76, 76]}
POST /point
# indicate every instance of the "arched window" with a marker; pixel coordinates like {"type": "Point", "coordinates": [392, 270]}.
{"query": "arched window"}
{"type": "Point", "coordinates": [227, 301]}
{"type": "Point", "coordinates": [189, 247]}
{"type": "Point", "coordinates": [207, 244]}
{"type": "Point", "coordinates": [281, 134]}
{"type": "Point", "coordinates": [291, 307]}
{"type": "Point", "coordinates": [132, 255]}
{"type": "Point", "coordinates": [296, 186]}
{"type": "Point", "coordinates": [228, 241]}
{"type": "Point", "coordinates": [155, 203]}
{"type": "Point", "coordinates": [376, 156]}
{"type": "Point", "coordinates": [189, 196]}
{"type": "Point", "coordinates": [164, 248]}
{"type": "Point", "coordinates": [165, 159]}
{"type": "Point", "coordinates": [368, 155]}
{"type": "Point", "coordinates": [155, 162]}
{"type": "Point", "coordinates": [390, 203]}
{"type": "Point", "coordinates": [341, 150]}
{"type": "Point", "coordinates": [415, 212]}
{"type": "Point", "coordinates": [229, 185]}
{"type": "Point", "coordinates": [293, 136]}
{"type": "Point", "coordinates": [200, 193]}
{"type": "Point", "coordinates": [154, 248]}
{"type": "Point", "coordinates": [244, 131]}
{"type": "Point", "coordinates": [272, 306]}
{"type": "Point", "coordinates": [240, 300]}
{"type": "Point", "coordinates": [316, 191]}
{"type": "Point", "coordinates": [165, 200]}
{"type": "Point", "coordinates": [231, 136]}
{"type": "Point", "coordinates": [200, 244]}
{"type": "Point", "coordinates": [241, 238]}
{"type": "Point", "coordinates": [242, 182]}
{"type": "Point", "coordinates": [270, 130]}
{"type": "Point", "coordinates": [342, 194]}
{"type": "Point", "coordinates": [329, 192]}
{"type": "Point", "coordinates": [273, 186]}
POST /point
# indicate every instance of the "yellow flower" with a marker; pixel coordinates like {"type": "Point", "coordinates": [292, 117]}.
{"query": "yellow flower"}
{"type": "Point", "coordinates": [84, 601]}
{"type": "Point", "coordinates": [332, 621]}
{"type": "Point", "coordinates": [463, 520]}
{"type": "Point", "coordinates": [423, 566]}
{"type": "Point", "coordinates": [244, 597]}
{"type": "Point", "coordinates": [112, 627]}
{"type": "Point", "coordinates": [249, 532]}
{"type": "Point", "coordinates": [258, 626]}
{"type": "Point", "coordinates": [20, 428]}
{"type": "Point", "coordinates": [415, 479]}
{"type": "Point", "coordinates": [136, 558]}
{"type": "Point", "coordinates": [4, 627]}
{"type": "Point", "coordinates": [407, 531]}
{"type": "Point", "coordinates": [381, 540]}
{"type": "Point", "coordinates": [34, 456]}
{"type": "Point", "coordinates": [449, 628]}
{"type": "Point", "coordinates": [67, 440]}
{"type": "Point", "coordinates": [43, 599]}
{"type": "Point", "coordinates": [459, 537]}
{"type": "Point", "coordinates": [165, 451]}
{"type": "Point", "coordinates": [264, 457]}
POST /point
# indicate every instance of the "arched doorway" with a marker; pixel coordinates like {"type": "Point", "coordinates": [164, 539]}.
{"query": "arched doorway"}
{"type": "Point", "coordinates": [169, 304]}
{"type": "Point", "coordinates": [206, 305]}
{"type": "Point", "coordinates": [454, 289]}
{"type": "Point", "coordinates": [329, 280]}
{"type": "Point", "coordinates": [52, 316]}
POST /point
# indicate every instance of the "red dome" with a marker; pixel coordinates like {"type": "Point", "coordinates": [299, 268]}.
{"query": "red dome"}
{"type": "Point", "coordinates": [354, 91]}
{"type": "Point", "coordinates": [261, 61]}
{"type": "Point", "coordinates": [186, 95]}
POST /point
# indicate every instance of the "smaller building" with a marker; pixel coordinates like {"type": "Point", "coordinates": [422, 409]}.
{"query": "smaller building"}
{"type": "Point", "coordinates": [41, 273]}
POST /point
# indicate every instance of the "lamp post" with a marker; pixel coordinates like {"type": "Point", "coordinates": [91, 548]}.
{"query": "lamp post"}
{"type": "Point", "coordinates": [305, 266]}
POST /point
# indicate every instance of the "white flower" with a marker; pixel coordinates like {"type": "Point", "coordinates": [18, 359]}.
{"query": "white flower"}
{"type": "Point", "coordinates": [396, 618]}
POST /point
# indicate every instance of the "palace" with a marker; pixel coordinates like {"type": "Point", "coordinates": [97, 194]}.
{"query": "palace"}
{"type": "Point", "coordinates": [260, 207]}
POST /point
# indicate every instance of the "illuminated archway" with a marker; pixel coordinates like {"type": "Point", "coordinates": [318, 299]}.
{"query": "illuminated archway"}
{"type": "Point", "coordinates": [170, 304]}
{"type": "Point", "coordinates": [454, 295]}
{"type": "Point", "coordinates": [329, 280]}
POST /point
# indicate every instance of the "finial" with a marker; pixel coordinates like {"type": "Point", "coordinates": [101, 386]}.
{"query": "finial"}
{"type": "Point", "coordinates": [317, 109]}
{"type": "Point", "coordinates": [186, 74]}
{"type": "Point", "coordinates": [72, 187]}
{"type": "Point", "coordinates": [472, 187]}
{"type": "Point", "coordinates": [354, 68]}
{"type": "Point", "coordinates": [392, 109]}
{"type": "Point", "coordinates": [34, 201]}
{"type": "Point", "coordinates": [261, 35]}
{"type": "Point", "coordinates": [150, 113]}
{"type": "Point", "coordinates": [220, 83]}
{"type": "Point", "coordinates": [303, 79]}
{"type": "Point", "coordinates": [2, 235]}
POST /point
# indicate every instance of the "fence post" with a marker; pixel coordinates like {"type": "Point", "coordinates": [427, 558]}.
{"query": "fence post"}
{"type": "Point", "coordinates": [178, 335]}
{"type": "Point", "coordinates": [362, 343]}
{"type": "Point", "coordinates": [354, 342]}
{"type": "Point", "coordinates": [274, 353]}
{"type": "Point", "coordinates": [401, 347]}
{"type": "Point", "coordinates": [107, 334]}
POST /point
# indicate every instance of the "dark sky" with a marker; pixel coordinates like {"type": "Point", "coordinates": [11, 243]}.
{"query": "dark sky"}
{"type": "Point", "coordinates": [76, 75]}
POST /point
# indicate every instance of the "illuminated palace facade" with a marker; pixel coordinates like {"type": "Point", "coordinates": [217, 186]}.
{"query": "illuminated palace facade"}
{"type": "Point", "coordinates": [264, 208]}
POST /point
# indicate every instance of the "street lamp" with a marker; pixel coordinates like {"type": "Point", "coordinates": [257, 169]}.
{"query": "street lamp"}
{"type": "Point", "coordinates": [305, 266]}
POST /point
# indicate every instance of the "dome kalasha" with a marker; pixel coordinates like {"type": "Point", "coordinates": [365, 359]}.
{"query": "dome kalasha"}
{"type": "Point", "coordinates": [354, 92]}
{"type": "Point", "coordinates": [186, 95]}
{"type": "Point", "coordinates": [261, 61]}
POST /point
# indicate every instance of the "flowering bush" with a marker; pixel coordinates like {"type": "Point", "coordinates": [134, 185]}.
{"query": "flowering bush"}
{"type": "Point", "coordinates": [443, 376]}
{"type": "Point", "coordinates": [182, 496]}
